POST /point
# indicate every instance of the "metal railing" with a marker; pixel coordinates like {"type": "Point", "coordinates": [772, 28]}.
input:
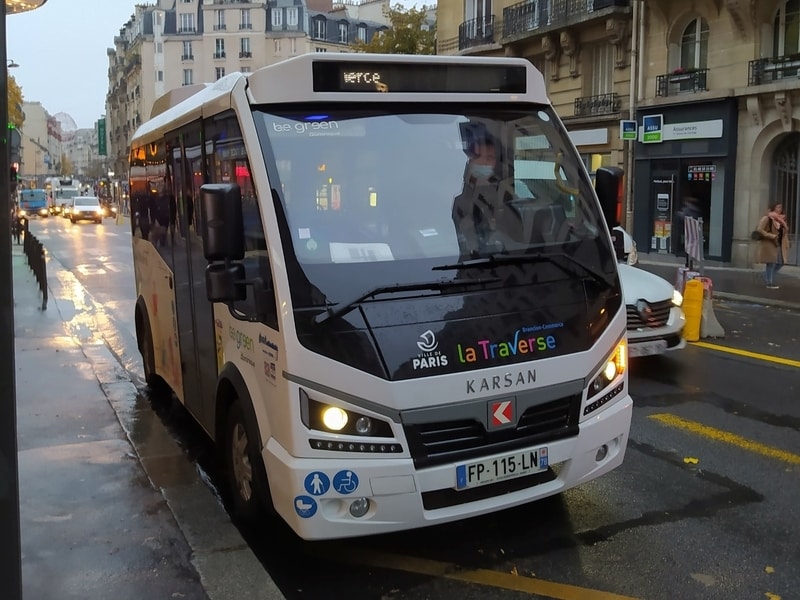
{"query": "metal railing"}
{"type": "Point", "coordinates": [35, 255]}
{"type": "Point", "coordinates": [776, 68]}
{"type": "Point", "coordinates": [530, 15]}
{"type": "Point", "coordinates": [601, 104]}
{"type": "Point", "coordinates": [476, 32]}
{"type": "Point", "coordinates": [681, 82]}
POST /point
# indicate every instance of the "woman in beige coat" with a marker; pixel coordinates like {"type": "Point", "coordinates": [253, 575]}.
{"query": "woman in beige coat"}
{"type": "Point", "coordinates": [774, 245]}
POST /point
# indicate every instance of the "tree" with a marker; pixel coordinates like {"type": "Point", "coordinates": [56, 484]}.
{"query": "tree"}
{"type": "Point", "coordinates": [409, 33]}
{"type": "Point", "coordinates": [15, 114]}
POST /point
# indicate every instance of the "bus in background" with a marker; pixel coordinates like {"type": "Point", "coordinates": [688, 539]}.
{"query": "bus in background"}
{"type": "Point", "coordinates": [33, 203]}
{"type": "Point", "coordinates": [377, 334]}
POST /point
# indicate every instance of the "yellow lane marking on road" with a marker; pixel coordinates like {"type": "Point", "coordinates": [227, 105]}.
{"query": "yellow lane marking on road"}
{"type": "Point", "coordinates": [727, 437]}
{"type": "Point", "coordinates": [488, 577]}
{"type": "Point", "coordinates": [776, 359]}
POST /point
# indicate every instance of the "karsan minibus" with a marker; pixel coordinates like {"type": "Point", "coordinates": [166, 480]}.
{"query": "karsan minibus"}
{"type": "Point", "coordinates": [376, 337]}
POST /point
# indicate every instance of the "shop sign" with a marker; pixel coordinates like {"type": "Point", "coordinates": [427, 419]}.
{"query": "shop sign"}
{"type": "Point", "coordinates": [627, 130]}
{"type": "Point", "coordinates": [652, 129]}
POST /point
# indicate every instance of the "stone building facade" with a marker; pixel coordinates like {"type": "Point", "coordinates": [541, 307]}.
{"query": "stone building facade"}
{"type": "Point", "coordinates": [712, 85]}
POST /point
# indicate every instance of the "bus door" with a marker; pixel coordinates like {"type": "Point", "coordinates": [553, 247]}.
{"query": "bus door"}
{"type": "Point", "coordinates": [194, 312]}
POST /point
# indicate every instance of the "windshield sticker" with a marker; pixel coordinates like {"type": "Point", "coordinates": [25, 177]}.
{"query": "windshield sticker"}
{"type": "Point", "coordinates": [317, 483]}
{"type": "Point", "coordinates": [430, 356]}
{"type": "Point", "coordinates": [305, 506]}
{"type": "Point", "coordinates": [310, 129]}
{"type": "Point", "coordinates": [521, 343]}
{"type": "Point", "coordinates": [346, 253]}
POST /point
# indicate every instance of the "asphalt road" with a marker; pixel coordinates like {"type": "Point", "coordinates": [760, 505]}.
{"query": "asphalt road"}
{"type": "Point", "coordinates": [704, 506]}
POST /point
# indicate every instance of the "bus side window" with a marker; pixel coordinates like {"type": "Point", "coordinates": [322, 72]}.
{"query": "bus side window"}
{"type": "Point", "coordinates": [229, 164]}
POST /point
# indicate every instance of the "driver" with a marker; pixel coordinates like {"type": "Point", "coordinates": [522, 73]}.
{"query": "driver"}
{"type": "Point", "coordinates": [481, 213]}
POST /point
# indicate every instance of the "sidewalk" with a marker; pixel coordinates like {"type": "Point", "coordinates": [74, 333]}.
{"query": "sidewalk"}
{"type": "Point", "coordinates": [110, 505]}
{"type": "Point", "coordinates": [731, 283]}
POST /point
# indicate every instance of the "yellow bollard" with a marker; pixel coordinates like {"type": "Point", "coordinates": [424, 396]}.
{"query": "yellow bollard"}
{"type": "Point", "coordinates": [692, 309]}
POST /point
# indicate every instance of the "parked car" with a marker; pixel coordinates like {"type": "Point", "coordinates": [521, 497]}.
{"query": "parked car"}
{"type": "Point", "coordinates": [655, 316]}
{"type": "Point", "coordinates": [86, 207]}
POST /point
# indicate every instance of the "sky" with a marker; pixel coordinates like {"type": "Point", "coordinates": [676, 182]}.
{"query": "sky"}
{"type": "Point", "coordinates": [61, 52]}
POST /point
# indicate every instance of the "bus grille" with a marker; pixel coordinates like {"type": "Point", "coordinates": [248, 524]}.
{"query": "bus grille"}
{"type": "Point", "coordinates": [648, 315]}
{"type": "Point", "coordinates": [466, 439]}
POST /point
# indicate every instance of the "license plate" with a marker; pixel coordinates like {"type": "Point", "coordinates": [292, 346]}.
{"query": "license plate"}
{"type": "Point", "coordinates": [499, 468]}
{"type": "Point", "coordinates": [647, 348]}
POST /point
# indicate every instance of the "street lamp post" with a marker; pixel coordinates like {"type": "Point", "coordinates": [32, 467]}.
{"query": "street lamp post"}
{"type": "Point", "coordinates": [10, 552]}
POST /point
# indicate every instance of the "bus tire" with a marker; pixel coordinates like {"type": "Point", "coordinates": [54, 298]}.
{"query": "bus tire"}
{"type": "Point", "coordinates": [244, 469]}
{"type": "Point", "coordinates": [157, 385]}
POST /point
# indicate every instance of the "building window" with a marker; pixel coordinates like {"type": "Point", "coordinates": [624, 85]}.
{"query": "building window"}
{"type": "Point", "coordinates": [219, 48]}
{"type": "Point", "coordinates": [187, 77]}
{"type": "Point", "coordinates": [602, 70]}
{"type": "Point", "coordinates": [786, 29]}
{"type": "Point", "coordinates": [245, 22]}
{"type": "Point", "coordinates": [320, 28]}
{"type": "Point", "coordinates": [159, 48]}
{"type": "Point", "coordinates": [320, 49]}
{"type": "Point", "coordinates": [244, 45]}
{"type": "Point", "coordinates": [277, 17]}
{"type": "Point", "coordinates": [220, 72]}
{"type": "Point", "coordinates": [362, 33]}
{"type": "Point", "coordinates": [342, 33]}
{"type": "Point", "coordinates": [244, 69]}
{"type": "Point", "coordinates": [186, 23]}
{"type": "Point", "coordinates": [694, 45]}
{"type": "Point", "coordinates": [277, 47]}
{"type": "Point", "coordinates": [187, 51]}
{"type": "Point", "coordinates": [159, 75]}
{"type": "Point", "coordinates": [219, 20]}
{"type": "Point", "coordinates": [291, 16]}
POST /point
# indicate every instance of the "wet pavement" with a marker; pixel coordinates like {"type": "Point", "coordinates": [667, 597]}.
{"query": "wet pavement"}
{"type": "Point", "coordinates": [110, 505]}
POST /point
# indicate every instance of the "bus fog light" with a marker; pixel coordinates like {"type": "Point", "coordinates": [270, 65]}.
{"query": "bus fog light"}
{"type": "Point", "coordinates": [602, 452]}
{"type": "Point", "coordinates": [359, 507]}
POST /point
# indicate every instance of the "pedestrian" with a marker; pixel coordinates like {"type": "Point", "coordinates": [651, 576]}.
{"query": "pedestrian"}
{"type": "Point", "coordinates": [773, 248]}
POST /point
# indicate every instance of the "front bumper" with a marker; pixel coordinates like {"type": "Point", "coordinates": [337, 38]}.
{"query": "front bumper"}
{"type": "Point", "coordinates": [395, 489]}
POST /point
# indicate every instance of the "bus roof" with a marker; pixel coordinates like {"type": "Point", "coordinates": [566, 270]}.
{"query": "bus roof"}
{"type": "Point", "coordinates": [356, 77]}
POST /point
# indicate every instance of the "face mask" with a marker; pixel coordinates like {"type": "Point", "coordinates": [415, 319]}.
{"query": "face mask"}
{"type": "Point", "coordinates": [481, 171]}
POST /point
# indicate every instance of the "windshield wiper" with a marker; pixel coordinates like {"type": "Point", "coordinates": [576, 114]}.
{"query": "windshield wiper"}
{"type": "Point", "coordinates": [441, 284]}
{"type": "Point", "coordinates": [515, 259]}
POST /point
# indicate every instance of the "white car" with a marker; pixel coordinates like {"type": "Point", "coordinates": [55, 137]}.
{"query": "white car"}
{"type": "Point", "coordinates": [655, 316]}
{"type": "Point", "coordinates": [86, 207]}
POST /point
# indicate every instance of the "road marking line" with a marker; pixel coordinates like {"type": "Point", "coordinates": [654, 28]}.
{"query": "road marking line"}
{"type": "Point", "coordinates": [727, 437]}
{"type": "Point", "coordinates": [776, 359]}
{"type": "Point", "coordinates": [488, 577]}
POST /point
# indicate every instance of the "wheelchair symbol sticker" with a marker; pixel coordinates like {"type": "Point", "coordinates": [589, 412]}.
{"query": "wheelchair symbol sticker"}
{"type": "Point", "coordinates": [317, 483]}
{"type": "Point", "coordinates": [305, 506]}
{"type": "Point", "coordinates": [345, 482]}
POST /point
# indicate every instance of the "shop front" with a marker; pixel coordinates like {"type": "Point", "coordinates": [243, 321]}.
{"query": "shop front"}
{"type": "Point", "coordinates": [685, 159]}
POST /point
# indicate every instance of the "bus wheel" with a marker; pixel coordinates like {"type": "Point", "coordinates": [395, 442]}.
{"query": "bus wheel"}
{"type": "Point", "coordinates": [157, 385]}
{"type": "Point", "coordinates": [243, 465]}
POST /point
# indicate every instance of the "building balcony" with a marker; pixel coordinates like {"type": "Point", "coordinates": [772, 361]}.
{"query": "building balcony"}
{"type": "Point", "coordinates": [187, 30]}
{"type": "Point", "coordinates": [601, 104]}
{"type": "Point", "coordinates": [220, 27]}
{"type": "Point", "coordinates": [681, 81]}
{"type": "Point", "coordinates": [476, 32]}
{"type": "Point", "coordinates": [776, 68]}
{"type": "Point", "coordinates": [187, 57]}
{"type": "Point", "coordinates": [219, 55]}
{"type": "Point", "coordinates": [531, 15]}
{"type": "Point", "coordinates": [245, 25]}
{"type": "Point", "coordinates": [244, 54]}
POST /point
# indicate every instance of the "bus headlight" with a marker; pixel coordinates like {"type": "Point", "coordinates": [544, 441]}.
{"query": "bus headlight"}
{"type": "Point", "coordinates": [334, 418]}
{"type": "Point", "coordinates": [600, 390]}
{"type": "Point", "coordinates": [331, 418]}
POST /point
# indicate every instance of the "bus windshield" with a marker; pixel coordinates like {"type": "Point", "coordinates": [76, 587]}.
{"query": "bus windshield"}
{"type": "Point", "coordinates": [408, 190]}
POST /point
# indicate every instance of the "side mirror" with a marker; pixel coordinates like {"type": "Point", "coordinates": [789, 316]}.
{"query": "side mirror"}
{"type": "Point", "coordinates": [225, 282]}
{"type": "Point", "coordinates": [221, 221]}
{"type": "Point", "coordinates": [608, 185]}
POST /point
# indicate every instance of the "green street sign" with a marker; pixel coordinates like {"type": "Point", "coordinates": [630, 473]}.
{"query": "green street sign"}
{"type": "Point", "coordinates": [101, 137]}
